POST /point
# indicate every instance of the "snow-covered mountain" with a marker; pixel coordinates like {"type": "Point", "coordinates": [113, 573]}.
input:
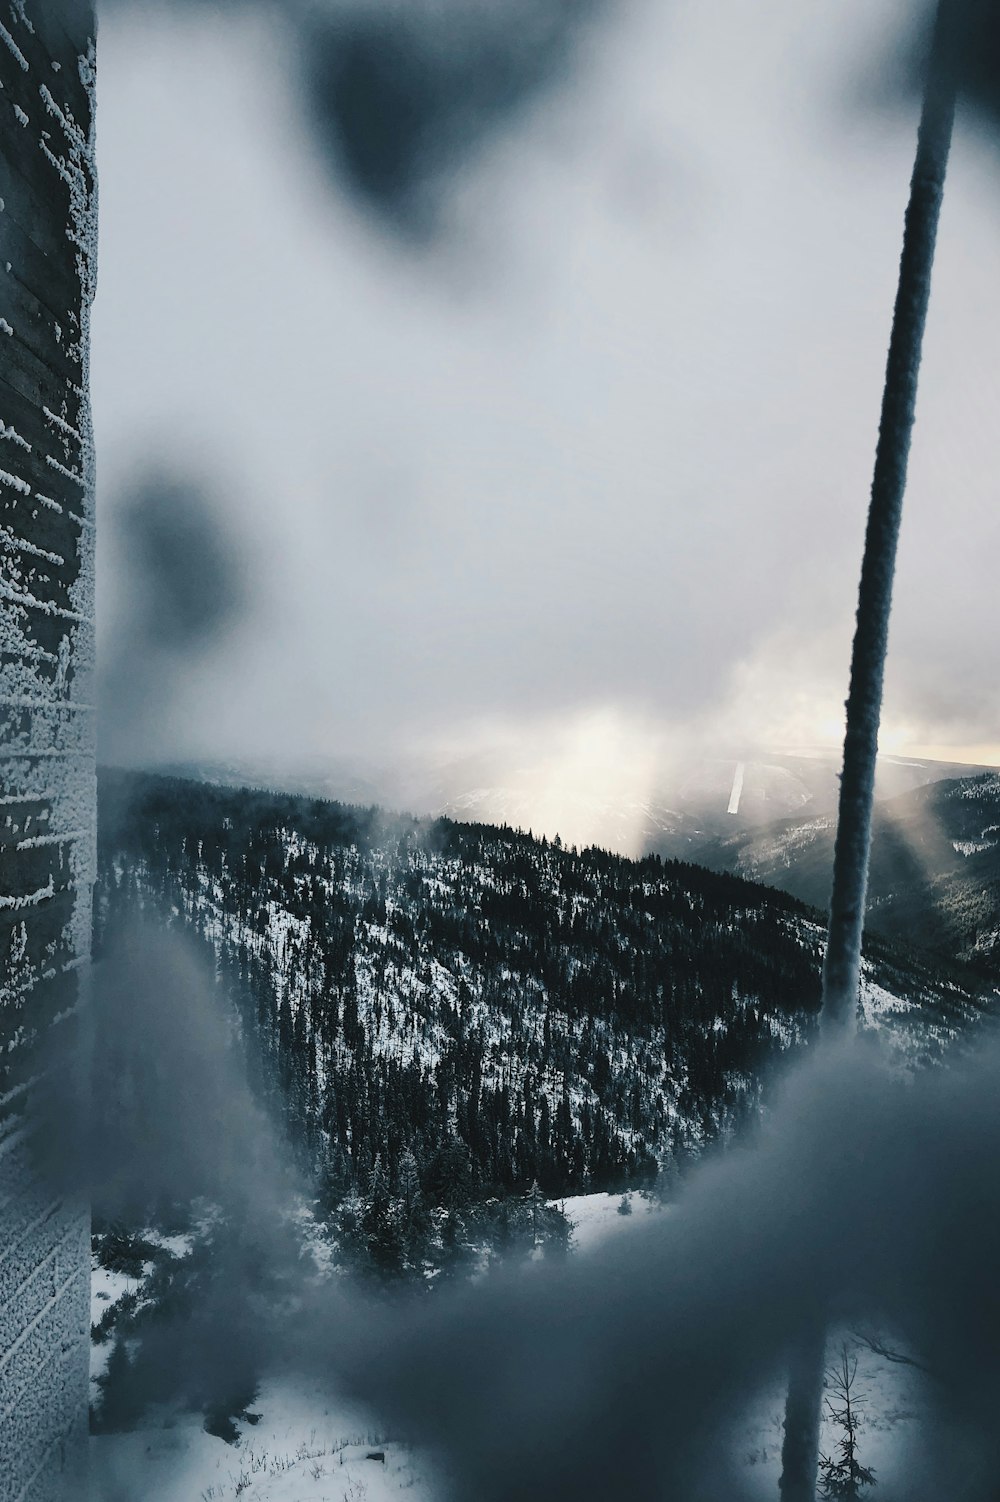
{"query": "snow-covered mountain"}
{"type": "Point", "coordinates": [574, 1017]}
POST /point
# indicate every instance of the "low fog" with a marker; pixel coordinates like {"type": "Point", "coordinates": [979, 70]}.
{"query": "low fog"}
{"type": "Point", "coordinates": [866, 1192]}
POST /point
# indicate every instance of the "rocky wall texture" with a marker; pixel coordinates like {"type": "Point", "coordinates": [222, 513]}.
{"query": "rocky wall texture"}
{"type": "Point", "coordinates": [47, 743]}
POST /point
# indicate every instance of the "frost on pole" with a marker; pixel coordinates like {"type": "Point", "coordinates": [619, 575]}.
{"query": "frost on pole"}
{"type": "Point", "coordinates": [47, 772]}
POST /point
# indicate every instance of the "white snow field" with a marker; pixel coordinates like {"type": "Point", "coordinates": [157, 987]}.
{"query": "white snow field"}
{"type": "Point", "coordinates": [306, 1447]}
{"type": "Point", "coordinates": [310, 1445]}
{"type": "Point", "coordinates": [595, 1217]}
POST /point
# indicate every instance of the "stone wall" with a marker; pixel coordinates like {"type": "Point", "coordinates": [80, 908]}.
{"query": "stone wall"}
{"type": "Point", "coordinates": [47, 747]}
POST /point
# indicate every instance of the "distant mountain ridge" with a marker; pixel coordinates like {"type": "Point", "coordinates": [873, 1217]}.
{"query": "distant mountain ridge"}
{"type": "Point", "coordinates": [935, 866]}
{"type": "Point", "coordinates": [695, 799]}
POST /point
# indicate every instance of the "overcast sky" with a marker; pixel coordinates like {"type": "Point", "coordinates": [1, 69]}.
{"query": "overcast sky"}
{"type": "Point", "coordinates": [582, 457]}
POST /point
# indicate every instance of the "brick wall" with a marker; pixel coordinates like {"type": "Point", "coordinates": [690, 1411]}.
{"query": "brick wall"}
{"type": "Point", "coordinates": [47, 781]}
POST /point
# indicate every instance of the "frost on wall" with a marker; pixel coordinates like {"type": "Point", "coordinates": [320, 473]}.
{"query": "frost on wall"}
{"type": "Point", "coordinates": [47, 747]}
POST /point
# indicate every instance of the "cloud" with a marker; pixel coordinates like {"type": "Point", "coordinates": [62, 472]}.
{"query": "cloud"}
{"type": "Point", "coordinates": [593, 451]}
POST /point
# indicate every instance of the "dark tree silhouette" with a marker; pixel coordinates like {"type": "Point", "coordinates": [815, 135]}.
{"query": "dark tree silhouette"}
{"type": "Point", "coordinates": [841, 969]}
{"type": "Point", "coordinates": [842, 1474]}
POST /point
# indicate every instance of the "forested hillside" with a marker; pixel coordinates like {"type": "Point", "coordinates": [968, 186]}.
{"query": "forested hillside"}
{"type": "Point", "coordinates": [498, 1007]}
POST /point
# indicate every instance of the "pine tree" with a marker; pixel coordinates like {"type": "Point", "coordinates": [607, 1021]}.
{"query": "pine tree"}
{"type": "Point", "coordinates": [409, 1180]}
{"type": "Point", "coordinates": [844, 1475]}
{"type": "Point", "coordinates": [121, 1407]}
{"type": "Point", "coordinates": [414, 1217]}
{"type": "Point", "coordinates": [535, 1202]}
{"type": "Point", "coordinates": [383, 1224]}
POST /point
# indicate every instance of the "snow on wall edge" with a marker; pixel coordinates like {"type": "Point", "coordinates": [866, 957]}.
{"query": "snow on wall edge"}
{"type": "Point", "coordinates": [48, 261]}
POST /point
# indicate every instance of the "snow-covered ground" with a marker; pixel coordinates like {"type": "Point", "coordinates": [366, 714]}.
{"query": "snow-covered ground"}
{"type": "Point", "coordinates": [595, 1217]}
{"type": "Point", "coordinates": [309, 1445]}
{"type": "Point", "coordinates": [306, 1447]}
